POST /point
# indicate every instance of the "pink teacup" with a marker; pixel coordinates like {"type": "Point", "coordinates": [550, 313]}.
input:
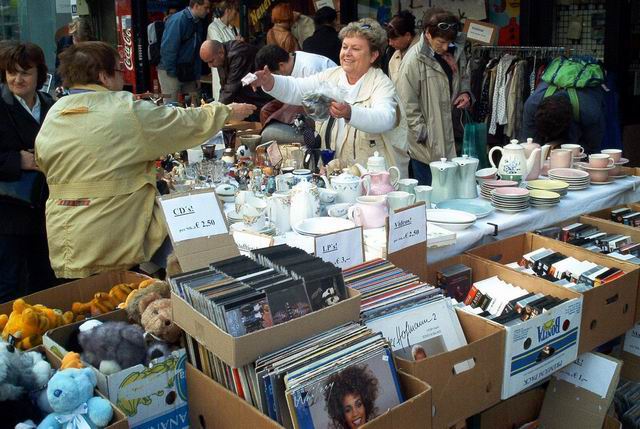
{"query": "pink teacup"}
{"type": "Point", "coordinates": [369, 211]}
{"type": "Point", "coordinates": [575, 148]}
{"type": "Point", "coordinates": [560, 158]}
{"type": "Point", "coordinates": [615, 154]}
{"type": "Point", "coordinates": [600, 160]}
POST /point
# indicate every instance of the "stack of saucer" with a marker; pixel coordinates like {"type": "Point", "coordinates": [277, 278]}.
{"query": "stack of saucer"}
{"type": "Point", "coordinates": [268, 229]}
{"type": "Point", "coordinates": [510, 199]}
{"type": "Point", "coordinates": [576, 179]}
{"type": "Point", "coordinates": [543, 199]}
{"type": "Point", "coordinates": [557, 186]}
{"type": "Point", "coordinates": [489, 185]}
{"type": "Point", "coordinates": [617, 172]}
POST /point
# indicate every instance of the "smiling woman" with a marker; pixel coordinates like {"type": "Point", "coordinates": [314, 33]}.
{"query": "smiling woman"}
{"type": "Point", "coordinates": [352, 396]}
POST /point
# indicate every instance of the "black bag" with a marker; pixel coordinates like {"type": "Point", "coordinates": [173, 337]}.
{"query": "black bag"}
{"type": "Point", "coordinates": [185, 72]}
{"type": "Point", "coordinates": [30, 189]}
{"type": "Point", "coordinates": [154, 34]}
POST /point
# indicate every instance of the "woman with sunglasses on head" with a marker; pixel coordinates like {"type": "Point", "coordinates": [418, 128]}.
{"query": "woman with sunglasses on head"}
{"type": "Point", "coordinates": [370, 119]}
{"type": "Point", "coordinates": [401, 31]}
{"type": "Point", "coordinates": [432, 82]}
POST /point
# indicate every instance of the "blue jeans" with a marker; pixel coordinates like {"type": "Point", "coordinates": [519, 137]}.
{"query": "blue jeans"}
{"type": "Point", "coordinates": [420, 171]}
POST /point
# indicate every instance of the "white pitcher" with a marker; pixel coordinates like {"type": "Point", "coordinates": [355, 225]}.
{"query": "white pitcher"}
{"type": "Point", "coordinates": [280, 210]}
{"type": "Point", "coordinates": [305, 202]}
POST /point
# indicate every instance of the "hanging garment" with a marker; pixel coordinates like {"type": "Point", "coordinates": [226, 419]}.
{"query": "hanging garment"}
{"type": "Point", "coordinates": [499, 106]}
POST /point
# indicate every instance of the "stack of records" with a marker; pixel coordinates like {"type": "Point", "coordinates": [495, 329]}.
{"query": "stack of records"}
{"type": "Point", "coordinates": [557, 186]}
{"type": "Point", "coordinates": [242, 295]}
{"type": "Point", "coordinates": [415, 317]}
{"type": "Point", "coordinates": [577, 179]}
{"type": "Point", "coordinates": [510, 200]}
{"type": "Point", "coordinates": [489, 185]}
{"type": "Point", "coordinates": [341, 378]}
{"type": "Point", "coordinates": [543, 199]}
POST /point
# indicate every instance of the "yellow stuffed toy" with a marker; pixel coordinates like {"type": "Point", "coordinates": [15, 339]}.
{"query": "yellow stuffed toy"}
{"type": "Point", "coordinates": [28, 323]}
{"type": "Point", "coordinates": [71, 360]}
{"type": "Point", "coordinates": [104, 302]}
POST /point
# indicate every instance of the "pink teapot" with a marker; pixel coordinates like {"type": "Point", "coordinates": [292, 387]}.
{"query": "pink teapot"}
{"type": "Point", "coordinates": [379, 183]}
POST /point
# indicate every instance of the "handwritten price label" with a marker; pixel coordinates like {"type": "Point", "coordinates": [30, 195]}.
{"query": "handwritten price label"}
{"type": "Point", "coordinates": [407, 228]}
{"type": "Point", "coordinates": [591, 372]}
{"type": "Point", "coordinates": [343, 249]}
{"type": "Point", "coordinates": [193, 216]}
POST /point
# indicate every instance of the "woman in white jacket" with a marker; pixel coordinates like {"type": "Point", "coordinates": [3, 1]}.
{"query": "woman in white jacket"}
{"type": "Point", "coordinates": [371, 119]}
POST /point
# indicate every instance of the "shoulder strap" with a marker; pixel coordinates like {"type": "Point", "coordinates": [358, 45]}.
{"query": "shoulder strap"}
{"type": "Point", "coordinates": [575, 103]}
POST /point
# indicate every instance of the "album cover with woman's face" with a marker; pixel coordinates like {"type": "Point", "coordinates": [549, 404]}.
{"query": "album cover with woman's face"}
{"type": "Point", "coordinates": [351, 397]}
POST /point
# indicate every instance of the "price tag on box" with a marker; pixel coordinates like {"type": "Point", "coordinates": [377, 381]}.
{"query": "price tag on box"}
{"type": "Point", "coordinates": [344, 249]}
{"type": "Point", "coordinates": [193, 216]}
{"type": "Point", "coordinates": [407, 228]}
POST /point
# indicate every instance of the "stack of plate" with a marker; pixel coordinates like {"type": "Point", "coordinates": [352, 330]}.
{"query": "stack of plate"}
{"type": "Point", "coordinates": [316, 226]}
{"type": "Point", "coordinates": [543, 199]}
{"type": "Point", "coordinates": [233, 217]}
{"type": "Point", "coordinates": [557, 186]}
{"type": "Point", "coordinates": [577, 179]}
{"type": "Point", "coordinates": [453, 220]}
{"type": "Point", "coordinates": [510, 200]}
{"type": "Point", "coordinates": [489, 185]}
{"type": "Point", "coordinates": [617, 172]}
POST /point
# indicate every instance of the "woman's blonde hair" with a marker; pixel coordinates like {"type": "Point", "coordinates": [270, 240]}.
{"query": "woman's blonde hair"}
{"type": "Point", "coordinates": [370, 30]}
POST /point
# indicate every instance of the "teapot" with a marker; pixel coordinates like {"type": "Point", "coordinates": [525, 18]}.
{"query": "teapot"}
{"type": "Point", "coordinates": [377, 163]}
{"type": "Point", "coordinates": [305, 202]}
{"type": "Point", "coordinates": [379, 183]}
{"type": "Point", "coordinates": [514, 165]}
{"type": "Point", "coordinates": [348, 186]}
{"type": "Point", "coordinates": [444, 180]}
{"type": "Point", "coordinates": [539, 159]}
{"type": "Point", "coordinates": [466, 175]}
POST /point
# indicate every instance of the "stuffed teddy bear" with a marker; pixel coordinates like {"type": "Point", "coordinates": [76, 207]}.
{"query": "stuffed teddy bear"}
{"type": "Point", "coordinates": [111, 346]}
{"type": "Point", "coordinates": [151, 308]}
{"type": "Point", "coordinates": [158, 289]}
{"type": "Point", "coordinates": [70, 395]}
{"type": "Point", "coordinates": [21, 372]}
{"type": "Point", "coordinates": [27, 323]}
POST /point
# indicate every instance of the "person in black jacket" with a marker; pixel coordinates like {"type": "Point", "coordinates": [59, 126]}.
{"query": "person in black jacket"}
{"type": "Point", "coordinates": [325, 40]}
{"type": "Point", "coordinates": [24, 257]}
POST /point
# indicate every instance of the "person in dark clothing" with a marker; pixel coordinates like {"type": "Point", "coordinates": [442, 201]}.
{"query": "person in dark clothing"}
{"type": "Point", "coordinates": [325, 40]}
{"type": "Point", "coordinates": [234, 60]}
{"type": "Point", "coordinates": [24, 256]}
{"type": "Point", "coordinates": [551, 119]}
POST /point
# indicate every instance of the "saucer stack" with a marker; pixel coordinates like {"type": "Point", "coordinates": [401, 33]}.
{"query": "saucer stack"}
{"type": "Point", "coordinates": [489, 185]}
{"type": "Point", "coordinates": [510, 199]}
{"type": "Point", "coordinates": [557, 186]}
{"type": "Point", "coordinates": [617, 172]}
{"type": "Point", "coordinates": [315, 226]}
{"type": "Point", "coordinates": [269, 228]}
{"type": "Point", "coordinates": [543, 199]}
{"type": "Point", "coordinates": [233, 217]}
{"type": "Point", "coordinates": [576, 179]}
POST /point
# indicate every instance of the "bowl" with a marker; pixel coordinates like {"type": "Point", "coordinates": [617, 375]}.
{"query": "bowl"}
{"type": "Point", "coordinates": [487, 173]}
{"type": "Point", "coordinates": [596, 174]}
{"type": "Point", "coordinates": [251, 141]}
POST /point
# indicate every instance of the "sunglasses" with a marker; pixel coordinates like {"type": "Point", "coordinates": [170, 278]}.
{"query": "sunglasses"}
{"type": "Point", "coordinates": [365, 27]}
{"type": "Point", "coordinates": [444, 26]}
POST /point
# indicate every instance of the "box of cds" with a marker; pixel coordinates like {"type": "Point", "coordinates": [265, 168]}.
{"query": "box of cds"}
{"type": "Point", "coordinates": [213, 406]}
{"type": "Point", "coordinates": [150, 396]}
{"type": "Point", "coordinates": [609, 286]}
{"type": "Point", "coordinates": [245, 307]}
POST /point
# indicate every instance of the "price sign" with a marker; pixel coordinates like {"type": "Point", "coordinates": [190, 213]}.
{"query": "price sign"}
{"type": "Point", "coordinates": [248, 241]}
{"type": "Point", "coordinates": [590, 371]}
{"type": "Point", "coordinates": [344, 249]}
{"type": "Point", "coordinates": [632, 340]}
{"type": "Point", "coordinates": [193, 215]}
{"type": "Point", "coordinates": [407, 228]}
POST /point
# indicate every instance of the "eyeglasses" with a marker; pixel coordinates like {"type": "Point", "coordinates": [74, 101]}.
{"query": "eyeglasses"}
{"type": "Point", "coordinates": [365, 26]}
{"type": "Point", "coordinates": [447, 26]}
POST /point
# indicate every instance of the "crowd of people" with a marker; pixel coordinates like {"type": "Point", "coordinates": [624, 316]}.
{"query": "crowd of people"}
{"type": "Point", "coordinates": [96, 147]}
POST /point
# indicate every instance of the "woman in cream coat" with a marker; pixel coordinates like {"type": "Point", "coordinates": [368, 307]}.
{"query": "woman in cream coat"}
{"type": "Point", "coordinates": [371, 119]}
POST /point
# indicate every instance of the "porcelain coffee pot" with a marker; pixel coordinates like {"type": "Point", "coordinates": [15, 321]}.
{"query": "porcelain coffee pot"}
{"type": "Point", "coordinates": [444, 180]}
{"type": "Point", "coordinates": [377, 163]}
{"type": "Point", "coordinates": [349, 187]}
{"type": "Point", "coordinates": [379, 183]}
{"type": "Point", "coordinates": [514, 162]}
{"type": "Point", "coordinates": [530, 149]}
{"type": "Point", "coordinates": [305, 201]}
{"type": "Point", "coordinates": [467, 167]}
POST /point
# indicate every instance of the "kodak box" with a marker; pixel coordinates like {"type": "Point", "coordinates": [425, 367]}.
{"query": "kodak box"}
{"type": "Point", "coordinates": [457, 396]}
{"type": "Point", "coordinates": [239, 351]}
{"type": "Point", "coordinates": [608, 310]}
{"type": "Point", "coordinates": [82, 290]}
{"type": "Point", "coordinates": [151, 397]}
{"type": "Point", "coordinates": [211, 406]}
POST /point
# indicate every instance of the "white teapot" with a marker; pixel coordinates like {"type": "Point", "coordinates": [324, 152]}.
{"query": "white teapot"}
{"type": "Point", "coordinates": [305, 201]}
{"type": "Point", "coordinates": [349, 187]}
{"type": "Point", "coordinates": [376, 163]}
{"type": "Point", "coordinates": [514, 165]}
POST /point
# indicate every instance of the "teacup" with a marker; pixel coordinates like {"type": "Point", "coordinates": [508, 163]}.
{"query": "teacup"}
{"type": "Point", "coordinates": [407, 185]}
{"type": "Point", "coordinates": [615, 154]}
{"type": "Point", "coordinates": [423, 193]}
{"type": "Point", "coordinates": [251, 141]}
{"type": "Point", "coordinates": [369, 211]}
{"type": "Point", "coordinates": [255, 219]}
{"type": "Point", "coordinates": [339, 210]}
{"type": "Point", "coordinates": [560, 158]}
{"type": "Point", "coordinates": [302, 173]}
{"type": "Point", "coordinates": [328, 196]}
{"type": "Point", "coordinates": [399, 199]}
{"type": "Point", "coordinates": [576, 149]}
{"type": "Point", "coordinates": [248, 198]}
{"type": "Point", "coordinates": [600, 160]}
{"type": "Point", "coordinates": [487, 173]}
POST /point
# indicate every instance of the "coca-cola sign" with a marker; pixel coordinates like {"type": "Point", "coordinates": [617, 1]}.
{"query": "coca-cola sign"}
{"type": "Point", "coordinates": [128, 48]}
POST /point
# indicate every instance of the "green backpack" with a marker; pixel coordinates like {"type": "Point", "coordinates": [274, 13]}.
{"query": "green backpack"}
{"type": "Point", "coordinates": [569, 74]}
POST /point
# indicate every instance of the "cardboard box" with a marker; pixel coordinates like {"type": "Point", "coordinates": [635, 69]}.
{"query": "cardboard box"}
{"type": "Point", "coordinates": [457, 396]}
{"type": "Point", "coordinates": [118, 421]}
{"type": "Point", "coordinates": [211, 406]}
{"type": "Point", "coordinates": [239, 351]}
{"type": "Point", "coordinates": [480, 32]}
{"type": "Point", "coordinates": [608, 310]}
{"type": "Point", "coordinates": [630, 354]}
{"type": "Point", "coordinates": [606, 213]}
{"type": "Point", "coordinates": [521, 409]}
{"type": "Point", "coordinates": [82, 290]}
{"type": "Point", "coordinates": [150, 397]}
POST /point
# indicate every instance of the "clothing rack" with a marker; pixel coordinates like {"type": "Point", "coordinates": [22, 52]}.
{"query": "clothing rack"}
{"type": "Point", "coordinates": [526, 49]}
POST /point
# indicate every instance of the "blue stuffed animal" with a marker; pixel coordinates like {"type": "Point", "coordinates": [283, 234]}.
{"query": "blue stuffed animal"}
{"type": "Point", "coordinates": [70, 395]}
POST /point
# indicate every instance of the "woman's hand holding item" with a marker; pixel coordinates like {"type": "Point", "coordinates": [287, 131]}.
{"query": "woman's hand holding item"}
{"type": "Point", "coordinates": [462, 101]}
{"type": "Point", "coordinates": [340, 110]}
{"type": "Point", "coordinates": [264, 80]}
{"type": "Point", "coordinates": [240, 111]}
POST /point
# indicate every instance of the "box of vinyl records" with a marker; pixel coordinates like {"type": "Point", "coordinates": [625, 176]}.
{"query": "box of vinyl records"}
{"type": "Point", "coordinates": [609, 286]}
{"type": "Point", "coordinates": [150, 396]}
{"type": "Point", "coordinates": [213, 406]}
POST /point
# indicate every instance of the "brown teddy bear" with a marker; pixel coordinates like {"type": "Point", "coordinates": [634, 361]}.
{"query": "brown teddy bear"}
{"type": "Point", "coordinates": [151, 308]}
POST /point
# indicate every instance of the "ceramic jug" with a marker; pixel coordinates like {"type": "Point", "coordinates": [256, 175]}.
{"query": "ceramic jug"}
{"type": "Point", "coordinates": [444, 180]}
{"type": "Point", "coordinates": [305, 202]}
{"type": "Point", "coordinates": [379, 183]}
{"type": "Point", "coordinates": [377, 163]}
{"type": "Point", "coordinates": [280, 211]}
{"type": "Point", "coordinates": [514, 165]}
{"type": "Point", "coordinates": [467, 167]}
{"type": "Point", "coordinates": [538, 157]}
{"type": "Point", "coordinates": [348, 186]}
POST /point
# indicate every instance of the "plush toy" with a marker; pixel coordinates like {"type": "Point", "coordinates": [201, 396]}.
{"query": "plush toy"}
{"type": "Point", "coordinates": [111, 346]}
{"type": "Point", "coordinates": [104, 302]}
{"type": "Point", "coordinates": [156, 319]}
{"type": "Point", "coordinates": [27, 323]}
{"type": "Point", "coordinates": [158, 289]}
{"type": "Point", "coordinates": [71, 360]}
{"type": "Point", "coordinates": [21, 372]}
{"type": "Point", "coordinates": [70, 394]}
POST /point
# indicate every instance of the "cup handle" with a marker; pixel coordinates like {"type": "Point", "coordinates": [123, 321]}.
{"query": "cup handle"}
{"type": "Point", "coordinates": [394, 178]}
{"type": "Point", "coordinates": [354, 215]}
{"type": "Point", "coordinates": [611, 162]}
{"type": "Point", "coordinates": [581, 151]}
{"type": "Point", "coordinates": [493, 149]}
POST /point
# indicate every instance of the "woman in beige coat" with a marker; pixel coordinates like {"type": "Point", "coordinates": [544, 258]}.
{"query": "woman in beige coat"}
{"type": "Point", "coordinates": [401, 31]}
{"type": "Point", "coordinates": [371, 118]}
{"type": "Point", "coordinates": [432, 82]}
